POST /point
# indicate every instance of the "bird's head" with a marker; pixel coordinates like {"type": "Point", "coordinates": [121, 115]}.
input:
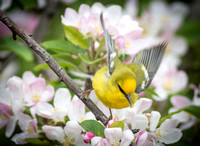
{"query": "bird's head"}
{"type": "Point", "coordinates": [127, 87]}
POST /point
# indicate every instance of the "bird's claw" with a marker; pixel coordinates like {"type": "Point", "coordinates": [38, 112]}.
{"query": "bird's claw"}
{"type": "Point", "coordinates": [85, 94]}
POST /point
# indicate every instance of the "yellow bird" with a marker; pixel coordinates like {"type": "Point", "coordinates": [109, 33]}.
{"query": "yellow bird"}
{"type": "Point", "coordinates": [117, 85]}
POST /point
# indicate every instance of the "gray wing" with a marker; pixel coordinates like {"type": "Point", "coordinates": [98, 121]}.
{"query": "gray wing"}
{"type": "Point", "coordinates": [149, 60]}
{"type": "Point", "coordinates": [110, 47]}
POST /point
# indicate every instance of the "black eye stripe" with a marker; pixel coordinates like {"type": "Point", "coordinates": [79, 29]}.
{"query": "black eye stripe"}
{"type": "Point", "coordinates": [121, 90]}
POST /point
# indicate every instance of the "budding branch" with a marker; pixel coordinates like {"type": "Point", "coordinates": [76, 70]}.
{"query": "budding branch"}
{"type": "Point", "coordinates": [16, 30]}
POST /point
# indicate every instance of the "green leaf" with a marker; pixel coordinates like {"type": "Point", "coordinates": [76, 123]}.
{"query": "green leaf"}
{"type": "Point", "coordinates": [17, 48]}
{"type": "Point", "coordinates": [67, 57]}
{"type": "Point", "coordinates": [64, 65]}
{"type": "Point", "coordinates": [63, 46]}
{"type": "Point", "coordinates": [190, 30]}
{"type": "Point", "coordinates": [194, 110]}
{"type": "Point", "coordinates": [88, 61]}
{"type": "Point", "coordinates": [124, 57]}
{"type": "Point", "coordinates": [68, 65]}
{"type": "Point", "coordinates": [40, 67]}
{"type": "Point", "coordinates": [151, 91]}
{"type": "Point", "coordinates": [37, 141]}
{"type": "Point", "coordinates": [117, 124]}
{"type": "Point", "coordinates": [28, 4]}
{"type": "Point", "coordinates": [74, 36]}
{"type": "Point", "coordinates": [93, 126]}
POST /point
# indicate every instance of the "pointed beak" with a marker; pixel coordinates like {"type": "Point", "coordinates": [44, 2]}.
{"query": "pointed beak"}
{"type": "Point", "coordinates": [128, 97]}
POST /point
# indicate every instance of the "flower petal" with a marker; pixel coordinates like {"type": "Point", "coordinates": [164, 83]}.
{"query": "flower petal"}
{"type": "Point", "coordinates": [127, 137]}
{"type": "Point", "coordinates": [171, 136]}
{"type": "Point", "coordinates": [141, 138]}
{"type": "Point", "coordinates": [24, 120]}
{"type": "Point", "coordinates": [19, 138]}
{"type": "Point", "coordinates": [99, 141]}
{"type": "Point", "coordinates": [11, 126]}
{"type": "Point", "coordinates": [154, 119]}
{"type": "Point", "coordinates": [44, 109]}
{"type": "Point", "coordinates": [28, 77]}
{"type": "Point", "coordinates": [169, 124]}
{"type": "Point", "coordinates": [15, 86]}
{"type": "Point", "coordinates": [5, 97]}
{"type": "Point", "coordinates": [54, 132]}
{"type": "Point", "coordinates": [72, 129]}
{"type": "Point", "coordinates": [62, 98]}
{"type": "Point", "coordinates": [113, 134]}
{"type": "Point", "coordinates": [142, 104]}
{"type": "Point", "coordinates": [180, 101]}
{"type": "Point", "coordinates": [70, 18]}
{"type": "Point", "coordinates": [76, 108]}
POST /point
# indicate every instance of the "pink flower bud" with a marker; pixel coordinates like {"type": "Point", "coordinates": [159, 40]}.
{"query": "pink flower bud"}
{"type": "Point", "coordinates": [110, 122]}
{"type": "Point", "coordinates": [87, 137]}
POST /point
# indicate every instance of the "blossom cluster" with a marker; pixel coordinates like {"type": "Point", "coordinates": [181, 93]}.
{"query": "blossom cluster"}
{"type": "Point", "coordinates": [160, 22]}
{"type": "Point", "coordinates": [27, 101]}
{"type": "Point", "coordinates": [120, 26]}
{"type": "Point", "coordinates": [180, 102]}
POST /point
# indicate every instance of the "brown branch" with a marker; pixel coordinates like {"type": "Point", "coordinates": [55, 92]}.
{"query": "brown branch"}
{"type": "Point", "coordinates": [53, 65]}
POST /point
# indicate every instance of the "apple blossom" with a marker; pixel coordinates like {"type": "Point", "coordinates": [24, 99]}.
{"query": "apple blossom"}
{"type": "Point", "coordinates": [99, 141]}
{"type": "Point", "coordinates": [87, 137]}
{"type": "Point", "coordinates": [77, 111]}
{"type": "Point", "coordinates": [168, 133]}
{"type": "Point", "coordinates": [73, 131]}
{"type": "Point", "coordinates": [61, 104]}
{"type": "Point", "coordinates": [29, 128]}
{"type": "Point", "coordinates": [12, 104]}
{"type": "Point", "coordinates": [54, 133]}
{"type": "Point", "coordinates": [146, 138]}
{"type": "Point", "coordinates": [179, 102]}
{"type": "Point", "coordinates": [113, 134]}
{"type": "Point", "coordinates": [173, 81]}
{"type": "Point", "coordinates": [37, 91]}
{"type": "Point", "coordinates": [118, 25]}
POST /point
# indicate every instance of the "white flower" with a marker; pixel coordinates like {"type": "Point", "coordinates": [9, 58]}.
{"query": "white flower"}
{"type": "Point", "coordinates": [61, 104]}
{"type": "Point", "coordinates": [172, 81]}
{"type": "Point", "coordinates": [73, 131]}
{"type": "Point", "coordinates": [99, 141]}
{"type": "Point", "coordinates": [11, 104]}
{"type": "Point", "coordinates": [29, 128]}
{"type": "Point", "coordinates": [77, 111]}
{"type": "Point", "coordinates": [54, 133]}
{"type": "Point", "coordinates": [168, 133]}
{"type": "Point", "coordinates": [113, 135]}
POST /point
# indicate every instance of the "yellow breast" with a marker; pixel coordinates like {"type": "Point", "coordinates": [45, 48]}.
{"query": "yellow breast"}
{"type": "Point", "coordinates": [109, 95]}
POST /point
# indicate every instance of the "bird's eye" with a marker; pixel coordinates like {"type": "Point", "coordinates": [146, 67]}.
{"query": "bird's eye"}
{"type": "Point", "coordinates": [121, 90]}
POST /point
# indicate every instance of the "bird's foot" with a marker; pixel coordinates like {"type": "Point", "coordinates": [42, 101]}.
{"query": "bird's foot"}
{"type": "Point", "coordinates": [110, 117]}
{"type": "Point", "coordinates": [85, 94]}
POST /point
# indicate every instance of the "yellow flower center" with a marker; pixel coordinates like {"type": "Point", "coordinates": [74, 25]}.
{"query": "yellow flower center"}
{"type": "Point", "coordinates": [115, 143]}
{"type": "Point", "coordinates": [68, 141]}
{"type": "Point", "coordinates": [3, 116]}
{"type": "Point", "coordinates": [168, 85]}
{"type": "Point", "coordinates": [57, 109]}
{"type": "Point", "coordinates": [165, 18]}
{"type": "Point", "coordinates": [158, 133]}
{"type": "Point", "coordinates": [29, 130]}
{"type": "Point", "coordinates": [128, 44]}
{"type": "Point", "coordinates": [36, 96]}
{"type": "Point", "coordinates": [97, 29]}
{"type": "Point", "coordinates": [82, 117]}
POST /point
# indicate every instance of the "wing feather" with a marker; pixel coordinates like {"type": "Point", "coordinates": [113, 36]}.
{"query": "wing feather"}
{"type": "Point", "coordinates": [150, 60]}
{"type": "Point", "coordinates": [110, 47]}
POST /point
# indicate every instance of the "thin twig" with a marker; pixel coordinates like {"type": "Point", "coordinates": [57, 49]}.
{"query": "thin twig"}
{"type": "Point", "coordinates": [53, 65]}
